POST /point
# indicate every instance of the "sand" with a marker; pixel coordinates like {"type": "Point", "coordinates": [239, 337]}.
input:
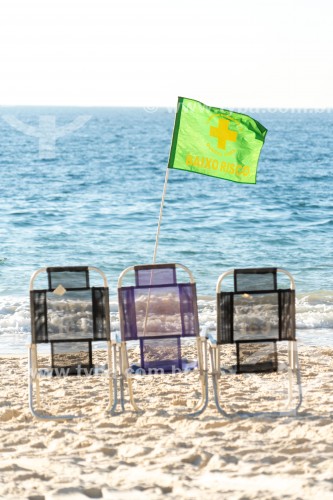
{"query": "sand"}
{"type": "Point", "coordinates": [162, 453]}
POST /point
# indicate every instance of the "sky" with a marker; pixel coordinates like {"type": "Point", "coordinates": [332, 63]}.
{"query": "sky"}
{"type": "Point", "coordinates": [230, 54]}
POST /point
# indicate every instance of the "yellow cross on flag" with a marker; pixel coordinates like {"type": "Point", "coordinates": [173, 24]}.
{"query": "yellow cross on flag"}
{"type": "Point", "coordinates": [222, 133]}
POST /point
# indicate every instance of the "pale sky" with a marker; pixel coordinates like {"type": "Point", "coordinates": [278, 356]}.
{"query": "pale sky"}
{"type": "Point", "coordinates": [231, 54]}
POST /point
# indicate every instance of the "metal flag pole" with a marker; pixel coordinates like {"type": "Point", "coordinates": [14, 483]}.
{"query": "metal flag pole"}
{"type": "Point", "coordinates": [157, 238]}
{"type": "Point", "coordinates": [161, 214]}
{"type": "Point", "coordinates": [156, 246]}
{"type": "Point", "coordinates": [164, 189]}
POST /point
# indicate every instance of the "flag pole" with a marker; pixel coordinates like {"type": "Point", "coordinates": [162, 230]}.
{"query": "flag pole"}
{"type": "Point", "coordinates": [175, 125]}
{"type": "Point", "coordinates": [156, 246]}
{"type": "Point", "coordinates": [157, 239]}
{"type": "Point", "coordinates": [161, 214]}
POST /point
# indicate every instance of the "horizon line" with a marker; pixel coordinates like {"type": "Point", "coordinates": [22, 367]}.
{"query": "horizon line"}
{"type": "Point", "coordinates": [152, 109]}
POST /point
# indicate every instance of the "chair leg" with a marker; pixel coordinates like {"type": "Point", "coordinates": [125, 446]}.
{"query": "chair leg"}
{"type": "Point", "coordinates": [112, 408]}
{"type": "Point", "coordinates": [216, 369]}
{"type": "Point", "coordinates": [298, 378]}
{"type": "Point", "coordinates": [293, 367]}
{"type": "Point", "coordinates": [34, 365]}
{"type": "Point", "coordinates": [127, 375]}
{"type": "Point", "coordinates": [203, 391]}
{"type": "Point", "coordinates": [131, 396]}
{"type": "Point", "coordinates": [37, 392]}
{"type": "Point", "coordinates": [201, 367]}
{"type": "Point", "coordinates": [290, 373]}
{"type": "Point", "coordinates": [112, 383]}
{"type": "Point", "coordinates": [33, 378]}
{"type": "Point", "coordinates": [200, 408]}
{"type": "Point", "coordinates": [120, 360]}
{"type": "Point", "coordinates": [202, 358]}
{"type": "Point", "coordinates": [122, 376]}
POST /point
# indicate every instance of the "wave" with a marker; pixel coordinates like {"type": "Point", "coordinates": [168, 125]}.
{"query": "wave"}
{"type": "Point", "coordinates": [314, 313]}
{"type": "Point", "coordinates": [315, 310]}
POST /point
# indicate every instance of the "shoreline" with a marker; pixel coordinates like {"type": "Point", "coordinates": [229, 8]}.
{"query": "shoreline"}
{"type": "Point", "coordinates": [307, 337]}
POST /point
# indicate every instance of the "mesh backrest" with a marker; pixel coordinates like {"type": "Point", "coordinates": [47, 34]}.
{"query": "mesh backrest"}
{"type": "Point", "coordinates": [69, 316]}
{"type": "Point", "coordinates": [70, 312]}
{"type": "Point", "coordinates": [68, 277]}
{"type": "Point", "coordinates": [160, 274]}
{"type": "Point", "coordinates": [257, 310]}
{"type": "Point", "coordinates": [256, 357]}
{"type": "Point", "coordinates": [255, 279]}
{"type": "Point", "coordinates": [155, 311]}
{"type": "Point", "coordinates": [161, 355]}
{"type": "Point", "coordinates": [158, 311]}
{"type": "Point", "coordinates": [256, 316]}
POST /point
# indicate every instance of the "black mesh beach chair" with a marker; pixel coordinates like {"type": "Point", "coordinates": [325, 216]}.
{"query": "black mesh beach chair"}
{"type": "Point", "coordinates": [255, 316]}
{"type": "Point", "coordinates": [159, 312]}
{"type": "Point", "coordinates": [69, 314]}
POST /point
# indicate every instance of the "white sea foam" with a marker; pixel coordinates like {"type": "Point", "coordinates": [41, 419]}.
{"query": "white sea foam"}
{"type": "Point", "coordinates": [314, 319]}
{"type": "Point", "coordinates": [315, 311]}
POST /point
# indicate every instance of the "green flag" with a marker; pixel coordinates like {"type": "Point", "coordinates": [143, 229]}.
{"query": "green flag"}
{"type": "Point", "coordinates": [216, 142]}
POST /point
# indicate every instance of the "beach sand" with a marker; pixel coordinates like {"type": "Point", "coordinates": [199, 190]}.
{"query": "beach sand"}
{"type": "Point", "coordinates": [162, 452]}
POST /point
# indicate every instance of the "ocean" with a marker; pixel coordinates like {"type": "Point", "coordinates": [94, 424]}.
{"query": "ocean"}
{"type": "Point", "coordinates": [83, 186]}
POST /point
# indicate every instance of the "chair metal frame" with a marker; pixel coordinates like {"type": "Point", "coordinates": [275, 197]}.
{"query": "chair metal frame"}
{"type": "Point", "coordinates": [124, 376]}
{"type": "Point", "coordinates": [35, 373]}
{"type": "Point", "coordinates": [293, 364]}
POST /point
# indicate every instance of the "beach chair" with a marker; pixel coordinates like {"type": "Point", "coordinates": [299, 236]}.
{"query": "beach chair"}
{"type": "Point", "coordinates": [160, 313]}
{"type": "Point", "coordinates": [255, 316]}
{"type": "Point", "coordinates": [68, 314]}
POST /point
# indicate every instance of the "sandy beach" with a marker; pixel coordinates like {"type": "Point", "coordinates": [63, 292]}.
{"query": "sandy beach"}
{"type": "Point", "coordinates": [162, 452]}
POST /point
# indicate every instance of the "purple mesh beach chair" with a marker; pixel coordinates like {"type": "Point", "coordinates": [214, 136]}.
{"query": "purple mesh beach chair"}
{"type": "Point", "coordinates": [69, 315]}
{"type": "Point", "coordinates": [255, 316]}
{"type": "Point", "coordinates": [158, 312]}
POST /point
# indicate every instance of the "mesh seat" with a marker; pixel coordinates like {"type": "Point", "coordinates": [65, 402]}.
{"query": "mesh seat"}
{"type": "Point", "coordinates": [69, 315]}
{"type": "Point", "coordinates": [158, 312]}
{"type": "Point", "coordinates": [256, 357]}
{"type": "Point", "coordinates": [255, 316]}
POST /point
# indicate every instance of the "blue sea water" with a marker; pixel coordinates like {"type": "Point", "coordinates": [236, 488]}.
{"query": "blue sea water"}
{"type": "Point", "coordinates": [91, 196]}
